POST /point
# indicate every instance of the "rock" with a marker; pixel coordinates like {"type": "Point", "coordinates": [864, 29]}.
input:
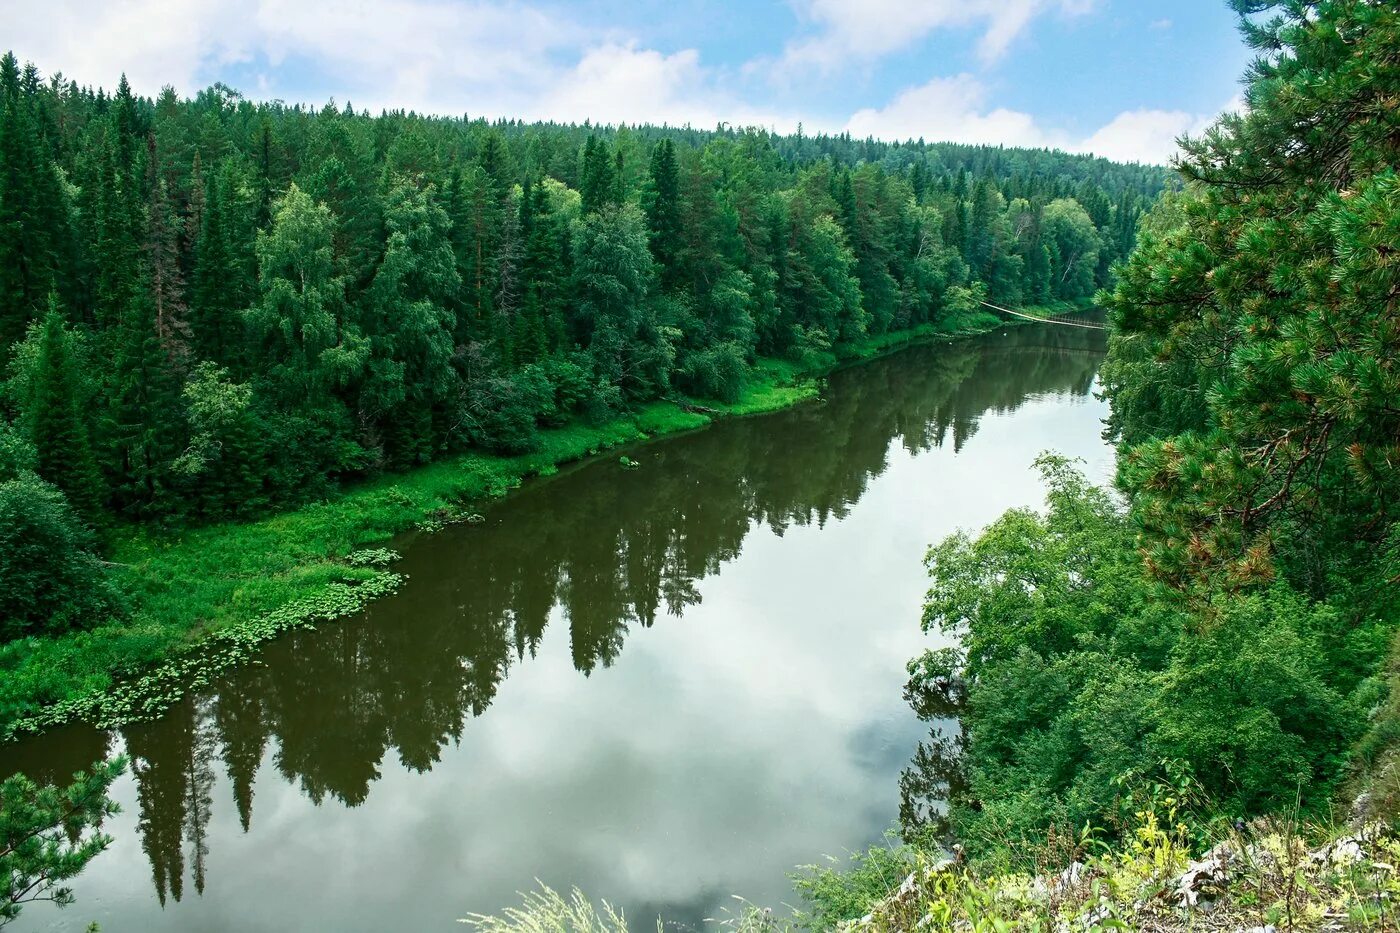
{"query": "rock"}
{"type": "Point", "coordinates": [1347, 849]}
{"type": "Point", "coordinates": [1361, 808]}
{"type": "Point", "coordinates": [1209, 875]}
{"type": "Point", "coordinates": [1071, 875]}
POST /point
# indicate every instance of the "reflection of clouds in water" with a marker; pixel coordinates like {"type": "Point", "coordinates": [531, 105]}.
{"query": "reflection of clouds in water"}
{"type": "Point", "coordinates": [761, 729]}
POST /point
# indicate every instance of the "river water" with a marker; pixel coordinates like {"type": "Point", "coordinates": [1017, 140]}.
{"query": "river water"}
{"type": "Point", "coordinates": [668, 685]}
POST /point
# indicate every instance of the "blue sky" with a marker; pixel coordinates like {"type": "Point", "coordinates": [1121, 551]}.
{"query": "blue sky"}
{"type": "Point", "coordinates": [1118, 77]}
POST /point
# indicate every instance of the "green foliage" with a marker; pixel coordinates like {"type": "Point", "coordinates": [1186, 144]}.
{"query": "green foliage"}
{"type": "Point", "coordinates": [1233, 612]}
{"type": "Point", "coordinates": [717, 373]}
{"type": "Point", "coordinates": [1274, 873]}
{"type": "Point", "coordinates": [545, 910]}
{"type": "Point", "coordinates": [372, 557]}
{"type": "Point", "coordinates": [1079, 668]}
{"type": "Point", "coordinates": [1255, 358]}
{"type": "Point", "coordinates": [380, 292]}
{"type": "Point", "coordinates": [411, 326]}
{"type": "Point", "coordinates": [839, 892]}
{"type": "Point", "coordinates": [50, 581]}
{"type": "Point", "coordinates": [48, 834]}
{"type": "Point", "coordinates": [17, 455]}
{"type": "Point", "coordinates": [1072, 242]}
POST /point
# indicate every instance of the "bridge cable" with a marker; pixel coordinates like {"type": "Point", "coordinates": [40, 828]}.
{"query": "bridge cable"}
{"type": "Point", "coordinates": [1044, 320]}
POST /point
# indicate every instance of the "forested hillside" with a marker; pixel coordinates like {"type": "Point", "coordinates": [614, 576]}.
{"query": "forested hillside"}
{"type": "Point", "coordinates": [1224, 630]}
{"type": "Point", "coordinates": [210, 307]}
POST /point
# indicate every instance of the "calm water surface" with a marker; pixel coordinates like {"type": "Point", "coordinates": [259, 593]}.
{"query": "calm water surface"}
{"type": "Point", "coordinates": [666, 685]}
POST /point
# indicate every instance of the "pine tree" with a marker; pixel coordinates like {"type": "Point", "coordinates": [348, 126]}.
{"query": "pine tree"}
{"type": "Point", "coordinates": [662, 200]}
{"type": "Point", "coordinates": [120, 222]}
{"type": "Point", "coordinates": [34, 224]}
{"type": "Point", "coordinates": [163, 258]}
{"type": "Point", "coordinates": [475, 213]}
{"type": "Point", "coordinates": [600, 187]}
{"type": "Point", "coordinates": [546, 274]}
{"type": "Point", "coordinates": [212, 331]}
{"type": "Point", "coordinates": [57, 408]}
{"type": "Point", "coordinates": [1256, 372]}
{"type": "Point", "coordinates": [529, 337]}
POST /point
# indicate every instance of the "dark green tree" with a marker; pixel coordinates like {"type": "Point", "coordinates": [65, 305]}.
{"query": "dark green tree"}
{"type": "Point", "coordinates": [662, 200]}
{"type": "Point", "coordinates": [57, 405]}
{"type": "Point", "coordinates": [52, 580]}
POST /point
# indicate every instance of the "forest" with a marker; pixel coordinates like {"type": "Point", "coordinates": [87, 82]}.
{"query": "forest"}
{"type": "Point", "coordinates": [215, 311]}
{"type": "Point", "coordinates": [211, 308]}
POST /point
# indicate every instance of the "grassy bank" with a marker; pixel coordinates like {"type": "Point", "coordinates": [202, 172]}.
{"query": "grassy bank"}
{"type": "Point", "coordinates": [1269, 876]}
{"type": "Point", "coordinates": [202, 599]}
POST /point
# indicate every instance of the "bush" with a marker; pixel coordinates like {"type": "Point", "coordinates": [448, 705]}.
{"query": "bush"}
{"type": "Point", "coordinates": [719, 372]}
{"type": "Point", "coordinates": [504, 411]}
{"type": "Point", "coordinates": [50, 582]}
{"type": "Point", "coordinates": [1079, 668]}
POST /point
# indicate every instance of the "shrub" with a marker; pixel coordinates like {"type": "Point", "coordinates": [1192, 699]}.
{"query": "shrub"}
{"type": "Point", "coordinates": [50, 581]}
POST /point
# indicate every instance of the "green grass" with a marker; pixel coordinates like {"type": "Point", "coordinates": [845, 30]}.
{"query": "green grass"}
{"type": "Point", "coordinates": [203, 598]}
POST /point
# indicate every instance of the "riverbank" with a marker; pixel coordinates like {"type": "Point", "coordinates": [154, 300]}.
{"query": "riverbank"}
{"type": "Point", "coordinates": [203, 599]}
{"type": "Point", "coordinates": [1267, 875]}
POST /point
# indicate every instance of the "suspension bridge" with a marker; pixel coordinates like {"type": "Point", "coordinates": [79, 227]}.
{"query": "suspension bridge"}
{"type": "Point", "coordinates": [1052, 319]}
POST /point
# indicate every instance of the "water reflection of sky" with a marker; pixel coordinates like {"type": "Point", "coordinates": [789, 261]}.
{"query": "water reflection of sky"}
{"type": "Point", "coordinates": [761, 729]}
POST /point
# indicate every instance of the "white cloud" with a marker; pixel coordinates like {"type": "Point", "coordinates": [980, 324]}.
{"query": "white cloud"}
{"type": "Point", "coordinates": [430, 55]}
{"type": "Point", "coordinates": [155, 42]}
{"type": "Point", "coordinates": [487, 57]}
{"type": "Point", "coordinates": [947, 110]}
{"type": "Point", "coordinates": [1161, 25]}
{"type": "Point", "coordinates": [955, 109]}
{"type": "Point", "coordinates": [621, 83]}
{"type": "Point", "coordinates": [506, 58]}
{"type": "Point", "coordinates": [868, 29]}
{"type": "Point", "coordinates": [1140, 135]}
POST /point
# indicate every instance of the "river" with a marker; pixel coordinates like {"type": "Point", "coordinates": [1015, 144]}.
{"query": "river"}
{"type": "Point", "coordinates": [666, 685]}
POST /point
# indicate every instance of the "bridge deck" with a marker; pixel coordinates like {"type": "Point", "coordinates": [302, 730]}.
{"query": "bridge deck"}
{"type": "Point", "coordinates": [1090, 325]}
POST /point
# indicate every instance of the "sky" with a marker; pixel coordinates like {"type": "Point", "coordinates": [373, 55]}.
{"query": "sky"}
{"type": "Point", "coordinates": [1119, 78]}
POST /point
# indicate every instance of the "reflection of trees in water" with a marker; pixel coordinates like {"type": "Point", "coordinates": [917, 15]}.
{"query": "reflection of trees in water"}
{"type": "Point", "coordinates": [607, 549]}
{"type": "Point", "coordinates": [935, 775]}
{"type": "Point", "coordinates": [172, 761]}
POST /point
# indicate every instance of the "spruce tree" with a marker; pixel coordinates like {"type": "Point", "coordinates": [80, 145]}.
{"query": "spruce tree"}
{"type": "Point", "coordinates": [662, 200]}
{"type": "Point", "coordinates": [57, 408]}
{"type": "Point", "coordinates": [600, 187]}
{"type": "Point", "coordinates": [34, 223]}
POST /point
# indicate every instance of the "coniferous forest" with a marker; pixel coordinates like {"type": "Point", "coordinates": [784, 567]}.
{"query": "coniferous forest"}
{"type": "Point", "coordinates": [210, 307]}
